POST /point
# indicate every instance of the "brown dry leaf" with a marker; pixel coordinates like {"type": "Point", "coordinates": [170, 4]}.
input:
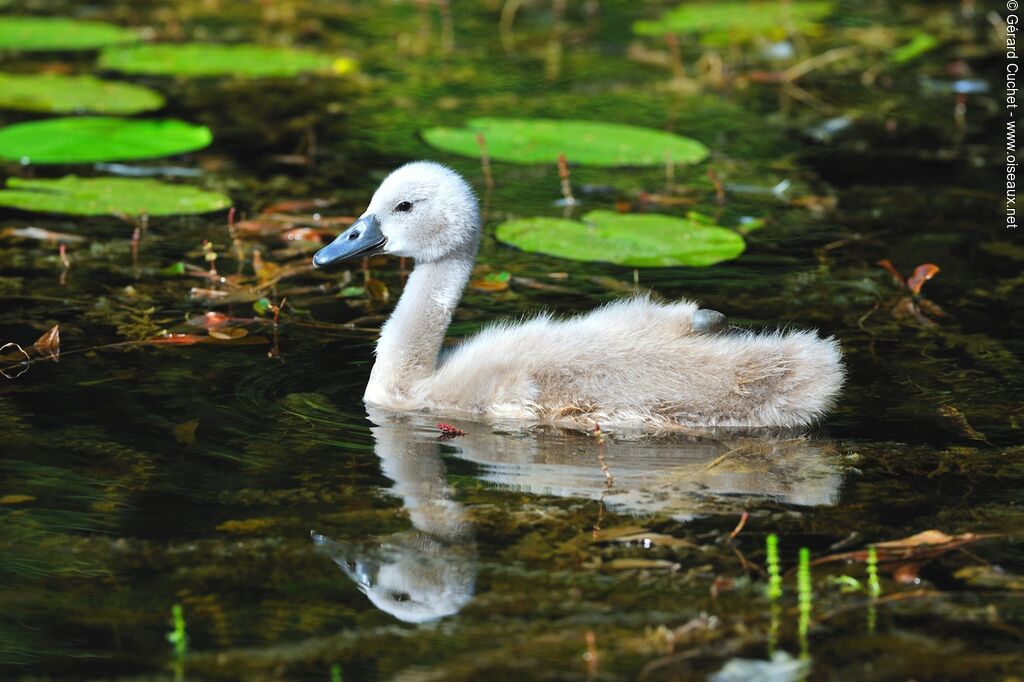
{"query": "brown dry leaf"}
{"type": "Point", "coordinates": [292, 205]}
{"type": "Point", "coordinates": [904, 558]}
{"type": "Point", "coordinates": [818, 205]}
{"type": "Point", "coordinates": [639, 565]}
{"type": "Point", "coordinates": [245, 525]}
{"type": "Point", "coordinates": [185, 433]}
{"type": "Point", "coordinates": [265, 271]}
{"type": "Point", "coordinates": [261, 228]}
{"type": "Point", "coordinates": [16, 499]}
{"type": "Point", "coordinates": [48, 344]}
{"type": "Point", "coordinates": [612, 534]}
{"type": "Point", "coordinates": [985, 577]}
{"type": "Point", "coordinates": [957, 424]}
{"type": "Point", "coordinates": [649, 539]}
{"type": "Point", "coordinates": [302, 234]}
{"type": "Point", "coordinates": [927, 538]}
{"type": "Point", "coordinates": [229, 333]}
{"type": "Point", "coordinates": [922, 273]}
{"type": "Point", "coordinates": [39, 234]}
{"type": "Point", "coordinates": [887, 265]}
{"type": "Point", "coordinates": [207, 294]}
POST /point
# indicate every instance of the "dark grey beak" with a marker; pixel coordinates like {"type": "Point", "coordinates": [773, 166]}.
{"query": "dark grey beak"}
{"type": "Point", "coordinates": [363, 238]}
{"type": "Point", "coordinates": [352, 559]}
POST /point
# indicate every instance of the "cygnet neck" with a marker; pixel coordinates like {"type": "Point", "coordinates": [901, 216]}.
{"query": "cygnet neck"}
{"type": "Point", "coordinates": [411, 339]}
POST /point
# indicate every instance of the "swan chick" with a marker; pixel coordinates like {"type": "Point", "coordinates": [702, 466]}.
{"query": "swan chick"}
{"type": "Point", "coordinates": [634, 363]}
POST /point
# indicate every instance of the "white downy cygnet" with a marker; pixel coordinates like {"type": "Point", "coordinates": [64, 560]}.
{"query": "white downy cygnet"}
{"type": "Point", "coordinates": [632, 363]}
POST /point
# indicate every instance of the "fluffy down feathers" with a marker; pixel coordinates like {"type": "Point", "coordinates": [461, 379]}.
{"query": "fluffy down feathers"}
{"type": "Point", "coordinates": [636, 363]}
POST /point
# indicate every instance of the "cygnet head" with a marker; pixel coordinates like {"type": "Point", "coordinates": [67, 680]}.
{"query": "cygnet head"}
{"type": "Point", "coordinates": [423, 210]}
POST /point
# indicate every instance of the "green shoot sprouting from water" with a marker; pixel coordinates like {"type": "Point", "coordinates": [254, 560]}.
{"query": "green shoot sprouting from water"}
{"type": "Point", "coordinates": [336, 672]}
{"type": "Point", "coordinates": [874, 586]}
{"type": "Point", "coordinates": [805, 596]}
{"type": "Point", "coordinates": [177, 636]}
{"type": "Point", "coordinates": [774, 577]}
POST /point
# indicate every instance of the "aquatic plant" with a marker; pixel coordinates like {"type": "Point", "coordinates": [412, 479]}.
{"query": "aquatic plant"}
{"type": "Point", "coordinates": [212, 59]}
{"type": "Point", "coordinates": [588, 143]}
{"type": "Point", "coordinates": [41, 34]}
{"type": "Point", "coordinates": [336, 672]}
{"type": "Point", "coordinates": [805, 597]}
{"type": "Point", "coordinates": [178, 636]}
{"type": "Point", "coordinates": [640, 240]}
{"type": "Point", "coordinates": [87, 139]}
{"type": "Point", "coordinates": [57, 93]}
{"type": "Point", "coordinates": [774, 590]}
{"type": "Point", "coordinates": [874, 586]}
{"type": "Point", "coordinates": [109, 196]}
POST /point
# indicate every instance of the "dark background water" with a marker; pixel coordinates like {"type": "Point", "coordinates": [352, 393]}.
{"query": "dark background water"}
{"type": "Point", "coordinates": [152, 476]}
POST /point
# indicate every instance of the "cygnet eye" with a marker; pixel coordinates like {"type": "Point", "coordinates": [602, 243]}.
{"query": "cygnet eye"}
{"type": "Point", "coordinates": [404, 207]}
{"type": "Point", "coordinates": [400, 596]}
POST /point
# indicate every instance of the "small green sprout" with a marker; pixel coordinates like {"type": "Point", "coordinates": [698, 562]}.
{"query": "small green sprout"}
{"type": "Point", "coordinates": [805, 597]}
{"type": "Point", "coordinates": [177, 636]}
{"type": "Point", "coordinates": [874, 586]}
{"type": "Point", "coordinates": [336, 673]}
{"type": "Point", "coordinates": [772, 561]}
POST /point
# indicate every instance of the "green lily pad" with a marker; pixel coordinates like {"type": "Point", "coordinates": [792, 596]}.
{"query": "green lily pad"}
{"type": "Point", "coordinates": [746, 18]}
{"type": "Point", "coordinates": [638, 240]}
{"type": "Point", "coordinates": [212, 59]}
{"type": "Point", "coordinates": [105, 196]}
{"type": "Point", "coordinates": [99, 138]}
{"type": "Point", "coordinates": [589, 143]}
{"type": "Point", "coordinates": [73, 94]}
{"type": "Point", "coordinates": [43, 34]}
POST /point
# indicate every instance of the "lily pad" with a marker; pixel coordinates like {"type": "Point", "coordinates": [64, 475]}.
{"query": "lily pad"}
{"type": "Point", "coordinates": [638, 240]}
{"type": "Point", "coordinates": [98, 138]}
{"type": "Point", "coordinates": [51, 92]}
{"type": "Point", "coordinates": [52, 34]}
{"type": "Point", "coordinates": [746, 18]}
{"type": "Point", "coordinates": [104, 196]}
{"type": "Point", "coordinates": [589, 143]}
{"type": "Point", "coordinates": [212, 59]}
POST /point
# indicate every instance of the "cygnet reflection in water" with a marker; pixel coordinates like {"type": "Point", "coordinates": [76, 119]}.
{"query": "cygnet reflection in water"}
{"type": "Point", "coordinates": [429, 572]}
{"type": "Point", "coordinates": [426, 573]}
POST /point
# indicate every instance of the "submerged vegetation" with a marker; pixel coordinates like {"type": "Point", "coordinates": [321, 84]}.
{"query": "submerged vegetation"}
{"type": "Point", "coordinates": [180, 390]}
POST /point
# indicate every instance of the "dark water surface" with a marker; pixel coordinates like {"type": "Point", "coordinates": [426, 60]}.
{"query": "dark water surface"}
{"type": "Point", "coordinates": [137, 477]}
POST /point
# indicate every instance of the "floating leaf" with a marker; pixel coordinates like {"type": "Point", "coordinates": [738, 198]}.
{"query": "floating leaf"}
{"type": "Point", "coordinates": [212, 59]}
{"type": "Point", "coordinates": [28, 34]}
{"type": "Point", "coordinates": [185, 433]}
{"type": "Point", "coordinates": [589, 143]}
{"type": "Point", "coordinates": [87, 139]}
{"type": "Point", "coordinates": [492, 282]}
{"type": "Point", "coordinates": [918, 45]}
{"type": "Point", "coordinates": [744, 18]}
{"type": "Point", "coordinates": [56, 93]}
{"type": "Point", "coordinates": [173, 270]}
{"type": "Point", "coordinates": [104, 196]}
{"type": "Point", "coordinates": [639, 240]}
{"type": "Point", "coordinates": [16, 499]}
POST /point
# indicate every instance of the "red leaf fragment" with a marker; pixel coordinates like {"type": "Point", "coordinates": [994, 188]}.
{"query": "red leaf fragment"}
{"type": "Point", "coordinates": [449, 431]}
{"type": "Point", "coordinates": [922, 273]}
{"type": "Point", "coordinates": [887, 265]}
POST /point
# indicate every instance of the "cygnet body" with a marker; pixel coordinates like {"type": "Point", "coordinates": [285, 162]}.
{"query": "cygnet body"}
{"type": "Point", "coordinates": [634, 363]}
